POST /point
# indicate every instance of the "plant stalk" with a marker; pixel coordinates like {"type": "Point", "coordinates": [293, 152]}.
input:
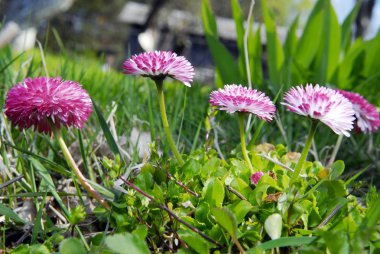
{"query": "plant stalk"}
{"type": "Point", "coordinates": [305, 151]}
{"type": "Point", "coordinates": [165, 123]}
{"type": "Point", "coordinates": [166, 209]}
{"type": "Point", "coordinates": [70, 161]}
{"type": "Point", "coordinates": [335, 151]}
{"type": "Point", "coordinates": [242, 139]}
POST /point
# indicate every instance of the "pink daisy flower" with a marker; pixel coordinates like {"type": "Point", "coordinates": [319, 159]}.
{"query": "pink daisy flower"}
{"type": "Point", "coordinates": [367, 117]}
{"type": "Point", "coordinates": [242, 99]}
{"type": "Point", "coordinates": [324, 104]}
{"type": "Point", "coordinates": [255, 177]}
{"type": "Point", "coordinates": [34, 102]}
{"type": "Point", "coordinates": [159, 64]}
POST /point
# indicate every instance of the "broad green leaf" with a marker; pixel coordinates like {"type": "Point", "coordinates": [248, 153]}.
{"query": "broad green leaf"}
{"type": "Point", "coordinates": [8, 213]}
{"type": "Point", "coordinates": [274, 48]}
{"type": "Point", "coordinates": [337, 169]}
{"type": "Point", "coordinates": [372, 49]}
{"type": "Point", "coordinates": [372, 217]}
{"type": "Point", "coordinates": [348, 69]}
{"type": "Point", "coordinates": [225, 218]}
{"type": "Point", "coordinates": [254, 54]}
{"type": "Point", "coordinates": [141, 231]}
{"type": "Point", "coordinates": [213, 192]}
{"type": "Point", "coordinates": [225, 63]}
{"type": "Point", "coordinates": [195, 242]}
{"type": "Point", "coordinates": [71, 245]}
{"type": "Point", "coordinates": [290, 48]}
{"type": "Point", "coordinates": [347, 27]}
{"type": "Point", "coordinates": [329, 48]}
{"type": "Point", "coordinates": [311, 36]}
{"type": "Point", "coordinates": [127, 243]}
{"type": "Point", "coordinates": [240, 209]}
{"type": "Point", "coordinates": [337, 242]}
{"type": "Point", "coordinates": [283, 242]}
{"type": "Point", "coordinates": [237, 15]}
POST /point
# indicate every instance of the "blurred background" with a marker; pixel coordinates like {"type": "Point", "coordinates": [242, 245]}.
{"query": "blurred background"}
{"type": "Point", "coordinates": [117, 28]}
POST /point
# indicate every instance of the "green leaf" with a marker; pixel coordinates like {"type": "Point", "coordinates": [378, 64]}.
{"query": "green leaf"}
{"type": "Point", "coordinates": [141, 231]}
{"type": "Point", "coordinates": [347, 27]}
{"type": "Point", "coordinates": [254, 55]}
{"type": "Point", "coordinates": [127, 243]}
{"type": "Point", "coordinates": [8, 213]}
{"type": "Point", "coordinates": [237, 15]}
{"type": "Point", "coordinates": [290, 47]}
{"type": "Point", "coordinates": [47, 182]}
{"type": "Point", "coordinates": [329, 48]}
{"type": "Point", "coordinates": [337, 242]}
{"type": "Point", "coordinates": [348, 70]}
{"type": "Point", "coordinates": [373, 214]}
{"type": "Point", "coordinates": [225, 218]}
{"type": "Point", "coordinates": [274, 47]}
{"type": "Point", "coordinates": [225, 63]}
{"type": "Point", "coordinates": [195, 242]}
{"type": "Point", "coordinates": [337, 170]}
{"type": "Point", "coordinates": [240, 209]}
{"type": "Point", "coordinates": [106, 131]}
{"type": "Point", "coordinates": [213, 192]}
{"type": "Point", "coordinates": [311, 37]}
{"type": "Point", "coordinates": [283, 242]}
{"type": "Point", "coordinates": [71, 245]}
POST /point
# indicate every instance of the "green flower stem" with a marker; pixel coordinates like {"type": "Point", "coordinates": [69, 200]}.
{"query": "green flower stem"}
{"type": "Point", "coordinates": [305, 151]}
{"type": "Point", "coordinates": [82, 180]}
{"type": "Point", "coordinates": [165, 123]}
{"type": "Point", "coordinates": [335, 152]}
{"type": "Point", "coordinates": [242, 138]}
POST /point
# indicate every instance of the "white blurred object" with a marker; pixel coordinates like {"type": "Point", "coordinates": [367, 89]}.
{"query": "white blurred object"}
{"type": "Point", "coordinates": [25, 39]}
{"type": "Point", "coordinates": [273, 226]}
{"type": "Point", "coordinates": [140, 140]}
{"type": "Point", "coordinates": [148, 39]}
{"type": "Point", "coordinates": [374, 24]}
{"type": "Point", "coordinates": [342, 8]}
{"type": "Point", "coordinates": [23, 16]}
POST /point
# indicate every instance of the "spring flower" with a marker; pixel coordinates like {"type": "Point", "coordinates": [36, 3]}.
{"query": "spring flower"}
{"type": "Point", "coordinates": [255, 177]}
{"type": "Point", "coordinates": [159, 64]}
{"type": "Point", "coordinates": [324, 104]}
{"type": "Point", "coordinates": [236, 98]}
{"type": "Point", "coordinates": [46, 104]}
{"type": "Point", "coordinates": [36, 101]}
{"type": "Point", "coordinates": [367, 117]}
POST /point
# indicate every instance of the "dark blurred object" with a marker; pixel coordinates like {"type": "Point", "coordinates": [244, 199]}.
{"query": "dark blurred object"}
{"type": "Point", "coordinates": [364, 17]}
{"type": "Point", "coordinates": [22, 16]}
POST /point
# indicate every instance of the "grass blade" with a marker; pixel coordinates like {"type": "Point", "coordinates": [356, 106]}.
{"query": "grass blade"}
{"type": "Point", "coordinates": [106, 131]}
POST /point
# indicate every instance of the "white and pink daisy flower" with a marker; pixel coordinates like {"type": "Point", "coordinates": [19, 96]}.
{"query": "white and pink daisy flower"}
{"type": "Point", "coordinates": [324, 104]}
{"type": "Point", "coordinates": [367, 117]}
{"type": "Point", "coordinates": [159, 64]}
{"type": "Point", "coordinates": [37, 101]}
{"type": "Point", "coordinates": [236, 98]}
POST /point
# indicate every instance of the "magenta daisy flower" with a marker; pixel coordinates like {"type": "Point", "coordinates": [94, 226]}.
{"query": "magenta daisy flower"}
{"type": "Point", "coordinates": [159, 64]}
{"type": "Point", "coordinates": [324, 104]}
{"type": "Point", "coordinates": [255, 177]}
{"type": "Point", "coordinates": [236, 98]}
{"type": "Point", "coordinates": [367, 117]}
{"type": "Point", "coordinates": [35, 101]}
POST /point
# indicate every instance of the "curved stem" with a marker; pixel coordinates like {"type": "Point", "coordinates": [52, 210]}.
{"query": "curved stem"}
{"type": "Point", "coordinates": [335, 151]}
{"type": "Point", "coordinates": [165, 123]}
{"type": "Point", "coordinates": [70, 161]}
{"type": "Point", "coordinates": [305, 151]}
{"type": "Point", "coordinates": [242, 139]}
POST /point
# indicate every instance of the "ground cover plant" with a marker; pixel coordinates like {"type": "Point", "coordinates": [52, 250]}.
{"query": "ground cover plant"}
{"type": "Point", "coordinates": [251, 179]}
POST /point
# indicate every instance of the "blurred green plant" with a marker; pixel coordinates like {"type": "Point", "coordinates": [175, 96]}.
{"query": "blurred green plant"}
{"type": "Point", "coordinates": [323, 53]}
